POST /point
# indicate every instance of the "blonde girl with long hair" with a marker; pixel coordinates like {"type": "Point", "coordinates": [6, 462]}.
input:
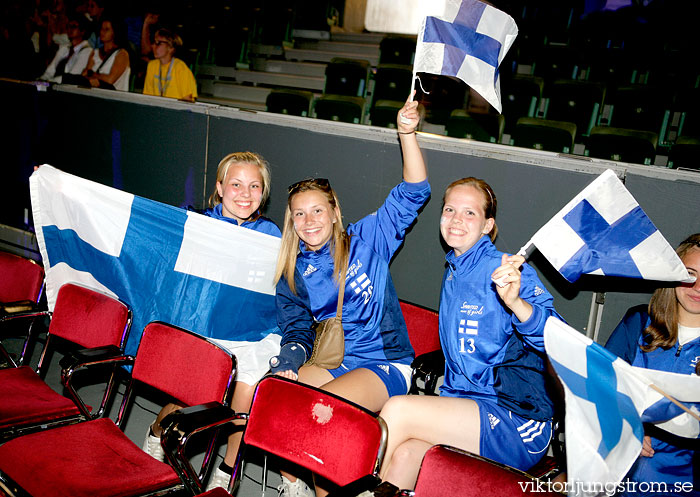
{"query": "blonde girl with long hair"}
{"type": "Point", "coordinates": [316, 253]}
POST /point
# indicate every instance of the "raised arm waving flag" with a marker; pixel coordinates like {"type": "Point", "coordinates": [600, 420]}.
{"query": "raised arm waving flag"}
{"type": "Point", "coordinates": [468, 41]}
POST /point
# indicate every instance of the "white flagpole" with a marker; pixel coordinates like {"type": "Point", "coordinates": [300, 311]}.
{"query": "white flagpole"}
{"type": "Point", "coordinates": [413, 84]}
{"type": "Point", "coordinates": [413, 87]}
{"type": "Point", "coordinates": [524, 249]}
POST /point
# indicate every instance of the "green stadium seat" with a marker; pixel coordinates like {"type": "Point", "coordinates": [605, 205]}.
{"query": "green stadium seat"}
{"type": "Point", "coordinates": [293, 102]}
{"type": "Point", "coordinates": [384, 113]}
{"type": "Point", "coordinates": [625, 145]}
{"type": "Point", "coordinates": [347, 77]}
{"type": "Point", "coordinates": [520, 97]}
{"type": "Point", "coordinates": [685, 153]}
{"type": "Point", "coordinates": [397, 49]}
{"type": "Point", "coordinates": [392, 82]}
{"type": "Point", "coordinates": [480, 127]}
{"type": "Point", "coordinates": [544, 134]}
{"type": "Point", "coordinates": [573, 101]}
{"type": "Point", "coordinates": [341, 108]}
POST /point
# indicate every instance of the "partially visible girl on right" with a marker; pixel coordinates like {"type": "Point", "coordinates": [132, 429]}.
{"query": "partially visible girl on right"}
{"type": "Point", "coordinates": [665, 335]}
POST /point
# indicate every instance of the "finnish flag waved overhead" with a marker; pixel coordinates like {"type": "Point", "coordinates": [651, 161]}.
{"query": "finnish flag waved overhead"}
{"type": "Point", "coordinates": [166, 263]}
{"type": "Point", "coordinates": [607, 400]}
{"type": "Point", "coordinates": [604, 231]}
{"type": "Point", "coordinates": [468, 41]}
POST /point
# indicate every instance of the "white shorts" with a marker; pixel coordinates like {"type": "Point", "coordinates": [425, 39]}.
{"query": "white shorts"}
{"type": "Point", "coordinates": [253, 357]}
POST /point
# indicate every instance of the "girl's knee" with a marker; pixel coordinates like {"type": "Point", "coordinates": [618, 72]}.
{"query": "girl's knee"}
{"type": "Point", "coordinates": [409, 454]}
{"type": "Point", "coordinates": [395, 406]}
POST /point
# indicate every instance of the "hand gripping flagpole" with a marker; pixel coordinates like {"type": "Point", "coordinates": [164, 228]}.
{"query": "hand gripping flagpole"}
{"type": "Point", "coordinates": [525, 251]}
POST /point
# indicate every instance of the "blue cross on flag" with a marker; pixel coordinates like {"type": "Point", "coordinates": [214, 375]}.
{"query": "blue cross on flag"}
{"type": "Point", "coordinates": [468, 41]}
{"type": "Point", "coordinates": [604, 231]}
{"type": "Point", "coordinates": [606, 402]}
{"type": "Point", "coordinates": [166, 263]}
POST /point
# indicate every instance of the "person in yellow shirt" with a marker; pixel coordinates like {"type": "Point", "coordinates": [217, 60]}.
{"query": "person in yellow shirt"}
{"type": "Point", "coordinates": [166, 75]}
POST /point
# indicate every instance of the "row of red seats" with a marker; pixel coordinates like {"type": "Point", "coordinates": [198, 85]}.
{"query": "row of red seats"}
{"type": "Point", "coordinates": [80, 452]}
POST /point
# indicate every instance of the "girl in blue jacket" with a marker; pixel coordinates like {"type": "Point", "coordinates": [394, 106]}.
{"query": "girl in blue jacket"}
{"type": "Point", "coordinates": [665, 335]}
{"type": "Point", "coordinates": [315, 250]}
{"type": "Point", "coordinates": [493, 401]}
{"type": "Point", "coordinates": [242, 188]}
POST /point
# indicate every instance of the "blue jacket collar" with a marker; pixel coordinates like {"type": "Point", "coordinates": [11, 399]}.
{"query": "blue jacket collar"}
{"type": "Point", "coordinates": [217, 213]}
{"type": "Point", "coordinates": [471, 257]}
{"type": "Point", "coordinates": [304, 253]}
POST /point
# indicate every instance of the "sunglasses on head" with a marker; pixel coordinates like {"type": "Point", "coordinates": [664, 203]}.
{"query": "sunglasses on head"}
{"type": "Point", "coordinates": [322, 183]}
{"type": "Point", "coordinates": [690, 241]}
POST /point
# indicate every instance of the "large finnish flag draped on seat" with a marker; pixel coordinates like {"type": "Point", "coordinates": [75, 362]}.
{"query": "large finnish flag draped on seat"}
{"type": "Point", "coordinates": [604, 231]}
{"type": "Point", "coordinates": [166, 263]}
{"type": "Point", "coordinates": [607, 400]}
{"type": "Point", "coordinates": [468, 41]}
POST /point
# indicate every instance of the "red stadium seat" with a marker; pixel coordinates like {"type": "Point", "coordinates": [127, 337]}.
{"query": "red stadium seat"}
{"type": "Point", "coordinates": [82, 317]}
{"type": "Point", "coordinates": [446, 472]}
{"type": "Point", "coordinates": [321, 432]}
{"type": "Point", "coordinates": [424, 334]}
{"type": "Point", "coordinates": [96, 458]}
{"type": "Point", "coordinates": [21, 288]}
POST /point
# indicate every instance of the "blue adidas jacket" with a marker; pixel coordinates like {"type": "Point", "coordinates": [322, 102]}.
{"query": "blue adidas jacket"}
{"type": "Point", "coordinates": [372, 320]}
{"type": "Point", "coordinates": [670, 463]}
{"type": "Point", "coordinates": [489, 353]}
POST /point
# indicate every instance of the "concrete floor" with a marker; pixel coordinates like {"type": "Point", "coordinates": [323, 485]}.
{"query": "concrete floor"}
{"type": "Point", "coordinates": [142, 414]}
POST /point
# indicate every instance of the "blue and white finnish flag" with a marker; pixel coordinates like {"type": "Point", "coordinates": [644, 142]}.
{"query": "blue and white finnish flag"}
{"type": "Point", "coordinates": [166, 263]}
{"type": "Point", "coordinates": [604, 231]}
{"type": "Point", "coordinates": [607, 400]}
{"type": "Point", "coordinates": [469, 41]}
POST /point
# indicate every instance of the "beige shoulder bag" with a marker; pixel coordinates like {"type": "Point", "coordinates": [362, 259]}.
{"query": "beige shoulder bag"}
{"type": "Point", "coordinates": [329, 343]}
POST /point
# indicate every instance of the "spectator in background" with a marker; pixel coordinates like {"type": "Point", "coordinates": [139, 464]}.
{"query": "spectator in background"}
{"type": "Point", "coordinates": [142, 21]}
{"type": "Point", "coordinates": [166, 75]}
{"type": "Point", "coordinates": [94, 12]}
{"type": "Point", "coordinates": [72, 58]}
{"type": "Point", "coordinates": [57, 23]}
{"type": "Point", "coordinates": [108, 66]}
{"type": "Point", "coordinates": [150, 21]}
{"type": "Point", "coordinates": [20, 57]}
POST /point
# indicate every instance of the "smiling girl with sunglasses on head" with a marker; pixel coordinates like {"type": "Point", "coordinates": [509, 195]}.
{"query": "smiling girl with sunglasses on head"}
{"type": "Point", "coordinates": [318, 255]}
